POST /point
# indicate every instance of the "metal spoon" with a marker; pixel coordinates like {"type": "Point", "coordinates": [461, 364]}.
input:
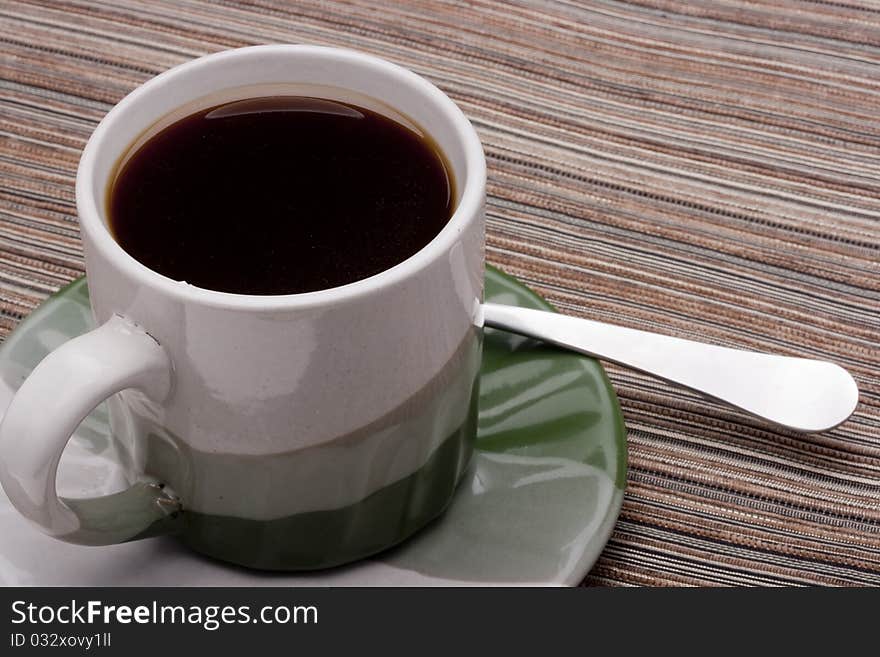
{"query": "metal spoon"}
{"type": "Point", "coordinates": [799, 393]}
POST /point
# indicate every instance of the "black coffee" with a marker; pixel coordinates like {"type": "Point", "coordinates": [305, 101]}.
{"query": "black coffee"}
{"type": "Point", "coordinates": [280, 195]}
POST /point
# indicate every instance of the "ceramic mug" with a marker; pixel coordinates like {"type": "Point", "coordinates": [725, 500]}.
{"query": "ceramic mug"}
{"type": "Point", "coordinates": [281, 432]}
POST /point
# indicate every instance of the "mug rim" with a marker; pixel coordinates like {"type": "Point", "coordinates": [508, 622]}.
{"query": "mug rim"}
{"type": "Point", "coordinates": [467, 210]}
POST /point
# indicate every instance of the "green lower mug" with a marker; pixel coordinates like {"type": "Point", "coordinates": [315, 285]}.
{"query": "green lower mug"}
{"type": "Point", "coordinates": [319, 538]}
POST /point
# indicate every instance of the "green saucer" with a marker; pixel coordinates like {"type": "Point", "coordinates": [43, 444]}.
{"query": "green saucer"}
{"type": "Point", "coordinates": [538, 505]}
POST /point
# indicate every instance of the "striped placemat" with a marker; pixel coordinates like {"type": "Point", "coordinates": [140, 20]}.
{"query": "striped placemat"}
{"type": "Point", "coordinates": [706, 169]}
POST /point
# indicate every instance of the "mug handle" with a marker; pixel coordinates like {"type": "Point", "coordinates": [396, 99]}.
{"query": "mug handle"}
{"type": "Point", "coordinates": [48, 407]}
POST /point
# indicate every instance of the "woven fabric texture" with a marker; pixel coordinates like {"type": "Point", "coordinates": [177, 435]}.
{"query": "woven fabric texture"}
{"type": "Point", "coordinates": [706, 169]}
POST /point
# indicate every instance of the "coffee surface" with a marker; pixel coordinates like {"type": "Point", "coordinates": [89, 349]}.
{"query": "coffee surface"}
{"type": "Point", "coordinates": [280, 195]}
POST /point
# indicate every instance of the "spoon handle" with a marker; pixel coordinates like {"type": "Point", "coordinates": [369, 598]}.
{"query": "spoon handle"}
{"type": "Point", "coordinates": [803, 394]}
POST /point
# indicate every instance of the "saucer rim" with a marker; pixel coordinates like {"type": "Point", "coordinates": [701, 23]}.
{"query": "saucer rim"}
{"type": "Point", "coordinates": [574, 573]}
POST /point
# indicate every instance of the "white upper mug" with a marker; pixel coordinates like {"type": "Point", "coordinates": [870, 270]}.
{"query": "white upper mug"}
{"type": "Point", "coordinates": [282, 432]}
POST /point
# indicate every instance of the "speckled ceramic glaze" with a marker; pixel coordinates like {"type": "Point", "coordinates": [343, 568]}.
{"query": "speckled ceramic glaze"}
{"type": "Point", "coordinates": [278, 432]}
{"type": "Point", "coordinates": [535, 506]}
